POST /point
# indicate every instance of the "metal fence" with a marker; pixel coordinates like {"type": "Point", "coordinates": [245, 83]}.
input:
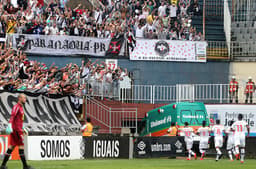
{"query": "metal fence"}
{"type": "Point", "coordinates": [111, 119]}
{"type": "Point", "coordinates": [214, 8]}
{"type": "Point", "coordinates": [207, 93]}
{"type": "Point", "coordinates": [217, 49]}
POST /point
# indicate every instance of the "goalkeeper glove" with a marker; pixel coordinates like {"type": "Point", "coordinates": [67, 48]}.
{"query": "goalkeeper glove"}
{"type": "Point", "coordinates": [9, 129]}
{"type": "Point", "coordinates": [25, 131]}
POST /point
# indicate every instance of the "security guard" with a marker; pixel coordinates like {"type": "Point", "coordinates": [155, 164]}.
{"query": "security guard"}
{"type": "Point", "coordinates": [87, 128]}
{"type": "Point", "coordinates": [233, 90]}
{"type": "Point", "coordinates": [172, 131]}
{"type": "Point", "coordinates": [249, 89]}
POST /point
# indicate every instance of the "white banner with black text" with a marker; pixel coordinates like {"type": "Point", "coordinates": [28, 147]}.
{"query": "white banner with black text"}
{"type": "Point", "coordinates": [68, 45]}
{"type": "Point", "coordinates": [54, 147]}
{"type": "Point", "coordinates": [169, 50]}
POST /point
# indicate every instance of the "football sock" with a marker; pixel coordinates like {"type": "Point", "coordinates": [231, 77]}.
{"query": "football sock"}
{"type": "Point", "coordinates": [230, 155]}
{"type": "Point", "coordinates": [234, 151]}
{"type": "Point", "coordinates": [242, 154]}
{"type": "Point", "coordinates": [218, 151]}
{"type": "Point", "coordinates": [202, 152]}
{"type": "Point", "coordinates": [6, 156]}
{"type": "Point", "coordinates": [189, 154]}
{"type": "Point", "coordinates": [237, 150]}
{"type": "Point", "coordinates": [217, 157]}
{"type": "Point", "coordinates": [22, 157]}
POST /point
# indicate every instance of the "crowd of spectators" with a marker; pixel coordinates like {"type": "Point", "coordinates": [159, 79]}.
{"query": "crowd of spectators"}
{"type": "Point", "coordinates": [152, 19]}
{"type": "Point", "coordinates": [17, 73]}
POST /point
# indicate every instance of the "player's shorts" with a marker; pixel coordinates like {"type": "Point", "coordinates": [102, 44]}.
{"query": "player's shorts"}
{"type": "Point", "coordinates": [240, 141]}
{"type": "Point", "coordinates": [218, 141]}
{"type": "Point", "coordinates": [16, 138]}
{"type": "Point", "coordinates": [230, 144]}
{"type": "Point", "coordinates": [203, 144]}
{"type": "Point", "coordinates": [189, 144]}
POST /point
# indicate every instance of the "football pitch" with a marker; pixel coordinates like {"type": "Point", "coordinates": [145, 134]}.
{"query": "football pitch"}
{"type": "Point", "coordinates": [155, 163]}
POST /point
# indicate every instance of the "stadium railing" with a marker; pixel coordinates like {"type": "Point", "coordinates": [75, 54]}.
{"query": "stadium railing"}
{"type": "Point", "coordinates": [207, 93]}
{"type": "Point", "coordinates": [218, 50]}
{"type": "Point", "coordinates": [111, 119]}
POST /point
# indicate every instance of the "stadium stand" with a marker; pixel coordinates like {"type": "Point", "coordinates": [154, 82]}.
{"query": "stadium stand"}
{"type": "Point", "coordinates": [150, 18]}
{"type": "Point", "coordinates": [243, 31]}
{"type": "Point", "coordinates": [20, 74]}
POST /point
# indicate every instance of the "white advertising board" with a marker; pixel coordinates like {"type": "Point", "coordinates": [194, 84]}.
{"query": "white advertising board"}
{"type": "Point", "coordinates": [54, 147]}
{"type": "Point", "coordinates": [228, 112]}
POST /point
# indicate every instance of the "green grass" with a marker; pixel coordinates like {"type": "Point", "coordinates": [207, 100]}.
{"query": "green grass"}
{"type": "Point", "coordinates": [156, 163]}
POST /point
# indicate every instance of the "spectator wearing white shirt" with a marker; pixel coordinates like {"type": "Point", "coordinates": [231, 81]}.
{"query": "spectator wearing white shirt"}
{"type": "Point", "coordinates": [173, 11]}
{"type": "Point", "coordinates": [108, 83]}
{"type": "Point", "coordinates": [14, 3]}
{"type": "Point", "coordinates": [98, 16]}
{"type": "Point", "coordinates": [54, 29]}
{"type": "Point", "coordinates": [162, 9]}
{"type": "Point", "coordinates": [140, 31]}
{"type": "Point", "coordinates": [183, 9]}
{"type": "Point", "coordinates": [47, 30]}
{"type": "Point", "coordinates": [29, 15]}
{"type": "Point", "coordinates": [173, 35]}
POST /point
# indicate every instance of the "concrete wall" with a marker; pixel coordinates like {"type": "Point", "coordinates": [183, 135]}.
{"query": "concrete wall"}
{"type": "Point", "coordinates": [160, 73]}
{"type": "Point", "coordinates": [242, 70]}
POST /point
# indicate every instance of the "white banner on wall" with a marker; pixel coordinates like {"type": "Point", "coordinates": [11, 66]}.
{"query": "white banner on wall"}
{"type": "Point", "coordinates": [169, 50]}
{"type": "Point", "coordinates": [227, 112]}
{"type": "Point", "coordinates": [62, 45]}
{"type": "Point", "coordinates": [54, 147]}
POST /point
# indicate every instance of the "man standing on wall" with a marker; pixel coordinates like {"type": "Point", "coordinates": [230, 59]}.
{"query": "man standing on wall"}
{"type": "Point", "coordinates": [249, 89]}
{"type": "Point", "coordinates": [16, 130]}
{"type": "Point", "coordinates": [233, 90]}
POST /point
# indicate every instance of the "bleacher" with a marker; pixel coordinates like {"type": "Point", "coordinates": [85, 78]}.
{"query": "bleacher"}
{"type": "Point", "coordinates": [243, 32]}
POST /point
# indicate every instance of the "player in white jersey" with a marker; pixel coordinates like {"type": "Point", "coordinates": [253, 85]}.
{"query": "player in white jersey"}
{"type": "Point", "coordinates": [188, 137]}
{"type": "Point", "coordinates": [230, 142]}
{"type": "Point", "coordinates": [217, 130]}
{"type": "Point", "coordinates": [204, 133]}
{"type": "Point", "coordinates": [240, 127]}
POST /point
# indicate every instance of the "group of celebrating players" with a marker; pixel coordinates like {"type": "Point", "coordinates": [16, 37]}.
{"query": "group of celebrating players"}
{"type": "Point", "coordinates": [235, 143]}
